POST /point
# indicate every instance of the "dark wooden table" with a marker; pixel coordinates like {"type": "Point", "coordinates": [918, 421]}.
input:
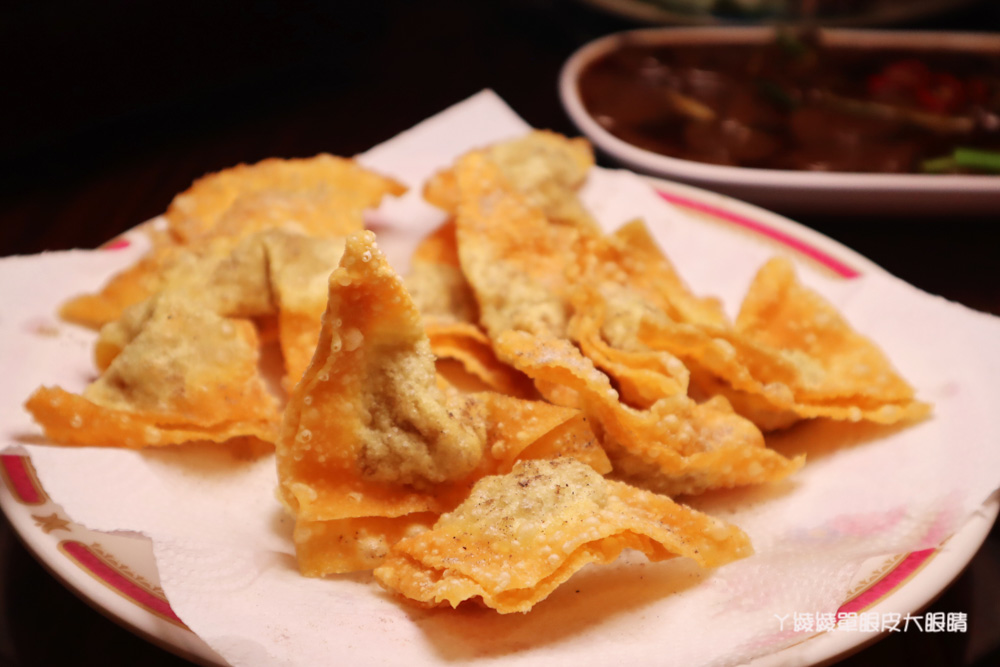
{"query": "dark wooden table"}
{"type": "Point", "coordinates": [111, 108]}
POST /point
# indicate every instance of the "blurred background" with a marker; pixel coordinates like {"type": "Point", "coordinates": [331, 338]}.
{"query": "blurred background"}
{"type": "Point", "coordinates": [111, 108]}
{"type": "Point", "coordinates": [108, 109]}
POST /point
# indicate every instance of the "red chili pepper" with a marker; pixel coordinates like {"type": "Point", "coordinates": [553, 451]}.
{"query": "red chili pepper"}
{"type": "Point", "coordinates": [911, 80]}
{"type": "Point", "coordinates": [944, 94]}
{"type": "Point", "coordinates": [907, 74]}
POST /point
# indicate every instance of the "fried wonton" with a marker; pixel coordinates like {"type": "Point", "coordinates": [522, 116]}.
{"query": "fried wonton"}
{"type": "Point", "coordinates": [186, 368]}
{"type": "Point", "coordinates": [319, 196]}
{"type": "Point", "coordinates": [467, 344]}
{"type": "Point", "coordinates": [545, 168]}
{"type": "Point", "coordinates": [790, 356]}
{"type": "Point", "coordinates": [630, 258]}
{"type": "Point", "coordinates": [369, 434]}
{"type": "Point", "coordinates": [323, 197]}
{"type": "Point", "coordinates": [275, 273]}
{"type": "Point", "coordinates": [519, 536]}
{"type": "Point", "coordinates": [367, 431]}
{"type": "Point", "coordinates": [781, 313]}
{"type": "Point", "coordinates": [188, 357]}
{"type": "Point", "coordinates": [337, 546]}
{"type": "Point", "coordinates": [513, 258]}
{"type": "Point", "coordinates": [126, 288]}
{"type": "Point", "coordinates": [675, 446]}
{"type": "Point", "coordinates": [71, 419]}
{"type": "Point", "coordinates": [450, 312]}
{"type": "Point", "coordinates": [514, 429]}
{"type": "Point", "coordinates": [605, 326]}
{"type": "Point", "coordinates": [298, 269]}
{"type": "Point", "coordinates": [374, 376]}
{"type": "Point", "coordinates": [436, 282]}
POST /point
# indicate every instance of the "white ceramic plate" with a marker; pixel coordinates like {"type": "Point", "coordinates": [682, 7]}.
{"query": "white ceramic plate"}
{"type": "Point", "coordinates": [800, 191]}
{"type": "Point", "coordinates": [877, 12]}
{"type": "Point", "coordinates": [117, 573]}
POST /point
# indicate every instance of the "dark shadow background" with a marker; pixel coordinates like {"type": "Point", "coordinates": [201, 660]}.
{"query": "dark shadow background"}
{"type": "Point", "coordinates": [107, 109]}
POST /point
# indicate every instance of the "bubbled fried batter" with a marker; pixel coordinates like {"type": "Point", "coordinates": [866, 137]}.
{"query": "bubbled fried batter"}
{"type": "Point", "coordinates": [790, 356]}
{"type": "Point", "coordinates": [675, 446]}
{"type": "Point", "coordinates": [321, 196]}
{"type": "Point", "coordinates": [546, 169]}
{"type": "Point", "coordinates": [403, 427]}
{"type": "Point", "coordinates": [519, 536]}
{"type": "Point", "coordinates": [513, 258]}
{"type": "Point", "coordinates": [185, 374]}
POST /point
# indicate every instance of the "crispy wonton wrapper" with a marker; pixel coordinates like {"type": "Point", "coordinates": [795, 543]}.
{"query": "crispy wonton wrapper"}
{"type": "Point", "coordinates": [519, 536]}
{"type": "Point", "coordinates": [319, 196]}
{"type": "Point", "coordinates": [511, 255]}
{"type": "Point", "coordinates": [450, 312]}
{"type": "Point", "coordinates": [676, 446]}
{"type": "Point", "coordinates": [545, 168]}
{"type": "Point", "coordinates": [371, 442]}
{"type": "Point", "coordinates": [790, 356]}
{"type": "Point", "coordinates": [323, 197]}
{"type": "Point", "coordinates": [187, 374]}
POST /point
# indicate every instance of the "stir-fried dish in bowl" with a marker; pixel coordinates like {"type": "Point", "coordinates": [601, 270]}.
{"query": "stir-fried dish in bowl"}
{"type": "Point", "coordinates": [798, 102]}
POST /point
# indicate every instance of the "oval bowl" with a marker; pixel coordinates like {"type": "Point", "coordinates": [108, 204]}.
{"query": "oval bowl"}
{"type": "Point", "coordinates": [789, 190]}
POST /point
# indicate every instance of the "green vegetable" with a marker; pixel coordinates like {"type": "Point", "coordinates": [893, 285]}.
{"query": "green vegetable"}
{"type": "Point", "coordinates": [970, 158]}
{"type": "Point", "coordinates": [938, 165]}
{"type": "Point", "coordinates": [978, 159]}
{"type": "Point", "coordinates": [776, 94]}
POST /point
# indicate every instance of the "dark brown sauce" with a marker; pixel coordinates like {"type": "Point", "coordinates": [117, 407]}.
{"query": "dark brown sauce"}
{"type": "Point", "coordinates": [795, 104]}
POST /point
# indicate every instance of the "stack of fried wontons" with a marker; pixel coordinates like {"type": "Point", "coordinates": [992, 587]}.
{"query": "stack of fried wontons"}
{"type": "Point", "coordinates": [527, 401]}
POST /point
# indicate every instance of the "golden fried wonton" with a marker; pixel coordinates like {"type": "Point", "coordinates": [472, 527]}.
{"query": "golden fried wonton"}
{"type": "Point", "coordinates": [319, 196]}
{"type": "Point", "coordinates": [781, 313]}
{"type": "Point", "coordinates": [605, 328]}
{"type": "Point", "coordinates": [467, 344]}
{"type": "Point", "coordinates": [674, 446]}
{"type": "Point", "coordinates": [520, 535]}
{"type": "Point", "coordinates": [374, 376]}
{"type": "Point", "coordinates": [436, 282]}
{"type": "Point", "coordinates": [185, 368]}
{"type": "Point", "coordinates": [220, 279]}
{"type": "Point", "coordinates": [450, 312]}
{"type": "Point", "coordinates": [299, 268]}
{"type": "Point", "coordinates": [369, 434]}
{"type": "Point", "coordinates": [630, 258]}
{"type": "Point", "coordinates": [513, 258]}
{"type": "Point", "coordinates": [269, 274]}
{"type": "Point", "coordinates": [790, 356]}
{"type": "Point", "coordinates": [323, 197]}
{"type": "Point", "coordinates": [514, 429]}
{"type": "Point", "coordinates": [71, 419]}
{"type": "Point", "coordinates": [544, 168]}
{"type": "Point", "coordinates": [126, 288]}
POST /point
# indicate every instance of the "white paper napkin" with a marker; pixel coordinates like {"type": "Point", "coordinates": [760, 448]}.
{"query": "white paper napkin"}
{"type": "Point", "coordinates": [222, 542]}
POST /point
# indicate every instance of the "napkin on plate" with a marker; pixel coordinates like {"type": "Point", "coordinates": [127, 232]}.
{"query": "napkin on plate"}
{"type": "Point", "coordinates": [222, 542]}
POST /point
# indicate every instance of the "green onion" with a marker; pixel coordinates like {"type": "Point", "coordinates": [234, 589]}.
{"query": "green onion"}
{"type": "Point", "coordinates": [978, 159]}
{"type": "Point", "coordinates": [776, 94]}
{"type": "Point", "coordinates": [971, 158]}
{"type": "Point", "coordinates": [939, 165]}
